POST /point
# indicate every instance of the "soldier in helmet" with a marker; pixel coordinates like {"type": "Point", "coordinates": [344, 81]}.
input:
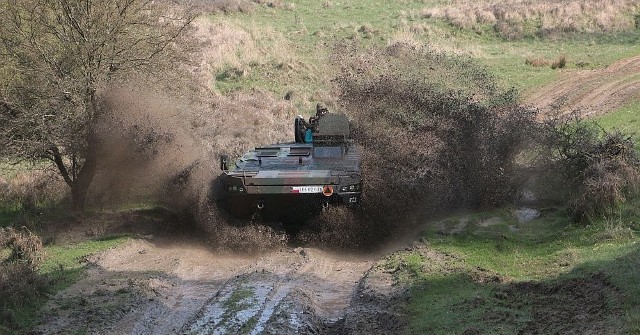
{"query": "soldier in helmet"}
{"type": "Point", "coordinates": [310, 126]}
{"type": "Point", "coordinates": [321, 110]}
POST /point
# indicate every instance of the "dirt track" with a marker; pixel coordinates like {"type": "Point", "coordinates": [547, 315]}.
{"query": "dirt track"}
{"type": "Point", "coordinates": [592, 92]}
{"type": "Point", "coordinates": [159, 287]}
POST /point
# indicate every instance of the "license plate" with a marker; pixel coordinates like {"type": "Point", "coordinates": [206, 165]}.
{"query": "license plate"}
{"type": "Point", "coordinates": [306, 189]}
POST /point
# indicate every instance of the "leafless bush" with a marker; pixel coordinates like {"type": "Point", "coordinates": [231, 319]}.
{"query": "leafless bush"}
{"type": "Point", "coordinates": [25, 247]}
{"type": "Point", "coordinates": [20, 283]}
{"type": "Point", "coordinates": [509, 30]}
{"type": "Point", "coordinates": [560, 63]}
{"type": "Point", "coordinates": [601, 169]}
{"type": "Point", "coordinates": [436, 131]}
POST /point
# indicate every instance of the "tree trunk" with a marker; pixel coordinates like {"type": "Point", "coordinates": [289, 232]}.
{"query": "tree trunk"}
{"type": "Point", "coordinates": [81, 184]}
{"type": "Point", "coordinates": [79, 181]}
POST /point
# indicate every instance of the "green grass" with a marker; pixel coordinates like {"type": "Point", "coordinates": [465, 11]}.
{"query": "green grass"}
{"type": "Point", "coordinates": [63, 266]}
{"type": "Point", "coordinates": [65, 263]}
{"type": "Point", "coordinates": [462, 288]}
{"type": "Point", "coordinates": [625, 120]}
{"type": "Point", "coordinates": [507, 59]}
{"type": "Point", "coordinates": [9, 213]}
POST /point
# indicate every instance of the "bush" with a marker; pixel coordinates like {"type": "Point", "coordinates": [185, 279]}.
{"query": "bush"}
{"type": "Point", "coordinates": [437, 133]}
{"type": "Point", "coordinates": [560, 63]}
{"type": "Point", "coordinates": [536, 62]}
{"type": "Point", "coordinates": [20, 284]}
{"type": "Point", "coordinates": [25, 247]}
{"type": "Point", "coordinates": [601, 169]}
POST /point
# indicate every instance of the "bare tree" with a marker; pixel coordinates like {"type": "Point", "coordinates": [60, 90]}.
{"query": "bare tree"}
{"type": "Point", "coordinates": [57, 56]}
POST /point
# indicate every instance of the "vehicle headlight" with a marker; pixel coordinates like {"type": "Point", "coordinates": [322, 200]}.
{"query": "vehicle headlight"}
{"type": "Point", "coordinates": [351, 188]}
{"type": "Point", "coordinates": [234, 188]}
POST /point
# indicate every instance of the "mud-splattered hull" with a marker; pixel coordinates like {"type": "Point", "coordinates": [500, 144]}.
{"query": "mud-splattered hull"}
{"type": "Point", "coordinates": [292, 180]}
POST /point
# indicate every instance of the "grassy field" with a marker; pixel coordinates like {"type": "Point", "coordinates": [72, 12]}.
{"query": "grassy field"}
{"type": "Point", "coordinates": [292, 44]}
{"type": "Point", "coordinates": [490, 273]}
{"type": "Point", "coordinates": [626, 120]}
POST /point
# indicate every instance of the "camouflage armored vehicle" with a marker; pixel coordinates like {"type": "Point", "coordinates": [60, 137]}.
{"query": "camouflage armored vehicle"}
{"type": "Point", "coordinates": [292, 180]}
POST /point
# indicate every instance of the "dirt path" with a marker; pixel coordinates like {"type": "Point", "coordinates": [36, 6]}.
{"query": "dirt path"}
{"type": "Point", "coordinates": [592, 92]}
{"type": "Point", "coordinates": [151, 287]}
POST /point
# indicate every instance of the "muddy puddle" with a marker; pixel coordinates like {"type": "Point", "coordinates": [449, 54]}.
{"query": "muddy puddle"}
{"type": "Point", "coordinates": [146, 287]}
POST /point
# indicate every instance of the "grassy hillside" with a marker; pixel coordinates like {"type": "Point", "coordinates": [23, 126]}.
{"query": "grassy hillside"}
{"type": "Point", "coordinates": [291, 43]}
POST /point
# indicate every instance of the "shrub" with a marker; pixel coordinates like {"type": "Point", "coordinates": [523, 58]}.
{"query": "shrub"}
{"type": "Point", "coordinates": [20, 284]}
{"type": "Point", "coordinates": [560, 63]}
{"type": "Point", "coordinates": [601, 169]}
{"type": "Point", "coordinates": [437, 132]}
{"type": "Point", "coordinates": [25, 247]}
{"type": "Point", "coordinates": [536, 62]}
{"type": "Point", "coordinates": [509, 30]}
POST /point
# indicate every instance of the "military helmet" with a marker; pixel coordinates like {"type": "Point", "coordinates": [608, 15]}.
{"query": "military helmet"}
{"type": "Point", "coordinates": [321, 109]}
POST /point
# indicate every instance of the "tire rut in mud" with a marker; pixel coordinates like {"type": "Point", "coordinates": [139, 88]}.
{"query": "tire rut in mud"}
{"type": "Point", "coordinates": [303, 300]}
{"type": "Point", "coordinates": [154, 288]}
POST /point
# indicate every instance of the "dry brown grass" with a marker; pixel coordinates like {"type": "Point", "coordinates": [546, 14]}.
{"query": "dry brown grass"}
{"type": "Point", "coordinates": [230, 50]}
{"type": "Point", "coordinates": [559, 63]}
{"type": "Point", "coordinates": [33, 187]}
{"type": "Point", "coordinates": [513, 19]}
{"type": "Point", "coordinates": [536, 62]}
{"type": "Point", "coordinates": [20, 284]}
{"type": "Point", "coordinates": [217, 6]}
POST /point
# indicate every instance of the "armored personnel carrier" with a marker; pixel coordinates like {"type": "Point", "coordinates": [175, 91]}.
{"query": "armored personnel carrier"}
{"type": "Point", "coordinates": [288, 181]}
